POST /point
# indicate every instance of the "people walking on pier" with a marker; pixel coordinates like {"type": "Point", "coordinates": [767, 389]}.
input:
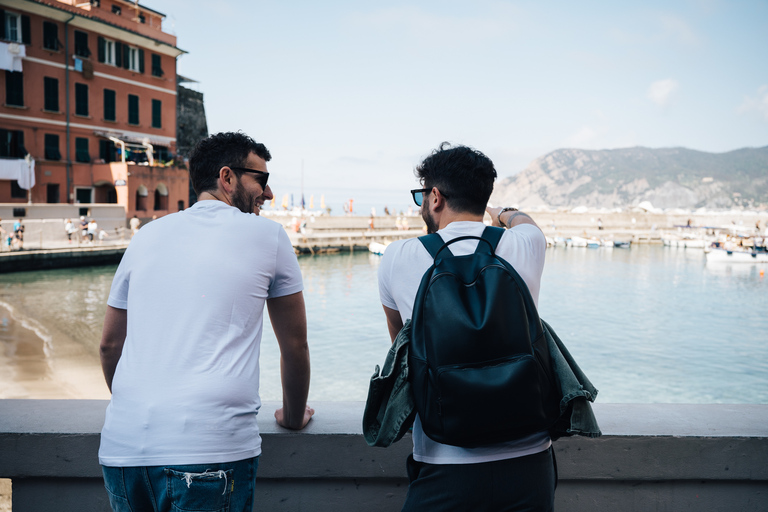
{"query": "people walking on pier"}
{"type": "Point", "coordinates": [134, 224]}
{"type": "Point", "coordinates": [514, 474]}
{"type": "Point", "coordinates": [18, 234]}
{"type": "Point", "coordinates": [181, 340]}
{"type": "Point", "coordinates": [83, 228]}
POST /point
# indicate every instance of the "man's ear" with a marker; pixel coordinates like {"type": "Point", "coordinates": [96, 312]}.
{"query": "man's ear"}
{"type": "Point", "coordinates": [437, 198]}
{"type": "Point", "coordinates": [227, 179]}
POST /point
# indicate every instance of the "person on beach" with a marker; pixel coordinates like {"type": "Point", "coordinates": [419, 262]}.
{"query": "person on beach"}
{"type": "Point", "coordinates": [93, 227]}
{"type": "Point", "coordinates": [83, 229]}
{"type": "Point", "coordinates": [180, 344]}
{"type": "Point", "coordinates": [513, 475]}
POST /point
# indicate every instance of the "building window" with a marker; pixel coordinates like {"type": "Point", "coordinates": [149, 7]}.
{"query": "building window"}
{"type": "Point", "coordinates": [157, 114]}
{"type": "Point", "coordinates": [157, 69]}
{"type": "Point", "coordinates": [16, 191]}
{"type": "Point", "coordinates": [133, 109]}
{"type": "Point", "coordinates": [51, 90]}
{"type": "Point", "coordinates": [81, 100]}
{"type": "Point", "coordinates": [52, 147]}
{"type": "Point", "coordinates": [107, 150]}
{"type": "Point", "coordinates": [142, 18]}
{"type": "Point", "coordinates": [161, 154]}
{"type": "Point", "coordinates": [108, 51]}
{"type": "Point", "coordinates": [81, 44]}
{"type": "Point", "coordinates": [12, 144]}
{"type": "Point", "coordinates": [14, 27]}
{"type": "Point", "coordinates": [51, 36]}
{"type": "Point", "coordinates": [81, 150]}
{"type": "Point", "coordinates": [133, 59]}
{"type": "Point", "coordinates": [109, 105]}
{"type": "Point", "coordinates": [116, 9]}
{"type": "Point", "coordinates": [14, 88]}
{"type": "Point", "coordinates": [52, 193]}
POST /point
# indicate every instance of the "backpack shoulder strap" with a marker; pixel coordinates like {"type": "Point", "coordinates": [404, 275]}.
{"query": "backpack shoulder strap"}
{"type": "Point", "coordinates": [432, 243]}
{"type": "Point", "coordinates": [492, 235]}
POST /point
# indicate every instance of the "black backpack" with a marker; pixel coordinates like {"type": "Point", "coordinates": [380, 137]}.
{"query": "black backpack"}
{"type": "Point", "coordinates": [479, 364]}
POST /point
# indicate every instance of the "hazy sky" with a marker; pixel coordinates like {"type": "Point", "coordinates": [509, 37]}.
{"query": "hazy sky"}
{"type": "Point", "coordinates": [362, 91]}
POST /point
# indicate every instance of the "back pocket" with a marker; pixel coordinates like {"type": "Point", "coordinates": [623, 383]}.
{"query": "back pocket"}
{"type": "Point", "coordinates": [199, 492]}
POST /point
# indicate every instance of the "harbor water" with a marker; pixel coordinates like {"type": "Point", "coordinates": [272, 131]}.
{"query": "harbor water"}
{"type": "Point", "coordinates": [649, 324]}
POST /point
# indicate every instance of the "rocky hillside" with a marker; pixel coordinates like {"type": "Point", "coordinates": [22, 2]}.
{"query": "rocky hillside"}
{"type": "Point", "coordinates": [667, 178]}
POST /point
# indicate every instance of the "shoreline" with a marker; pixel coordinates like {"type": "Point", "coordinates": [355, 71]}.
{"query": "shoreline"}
{"type": "Point", "coordinates": [37, 364]}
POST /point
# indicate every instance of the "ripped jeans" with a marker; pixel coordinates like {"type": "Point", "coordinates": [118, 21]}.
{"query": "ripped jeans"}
{"type": "Point", "coordinates": [220, 487]}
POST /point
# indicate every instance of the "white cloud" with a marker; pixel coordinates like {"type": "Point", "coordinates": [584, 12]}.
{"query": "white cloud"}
{"type": "Point", "coordinates": [679, 29]}
{"type": "Point", "coordinates": [661, 91]}
{"type": "Point", "coordinates": [758, 103]}
{"type": "Point", "coordinates": [581, 138]}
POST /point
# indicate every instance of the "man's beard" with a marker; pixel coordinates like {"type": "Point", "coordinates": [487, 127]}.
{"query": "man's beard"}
{"type": "Point", "coordinates": [432, 226]}
{"type": "Point", "coordinates": [242, 200]}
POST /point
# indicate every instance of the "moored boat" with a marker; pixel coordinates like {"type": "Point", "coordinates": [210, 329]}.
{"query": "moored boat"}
{"type": "Point", "coordinates": [716, 254]}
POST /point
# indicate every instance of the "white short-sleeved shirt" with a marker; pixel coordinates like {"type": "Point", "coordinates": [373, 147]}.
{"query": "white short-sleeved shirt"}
{"type": "Point", "coordinates": [400, 273]}
{"type": "Point", "coordinates": [186, 387]}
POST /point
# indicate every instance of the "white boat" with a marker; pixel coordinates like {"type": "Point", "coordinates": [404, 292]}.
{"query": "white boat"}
{"type": "Point", "coordinates": [726, 256]}
{"type": "Point", "coordinates": [377, 248]}
{"type": "Point", "coordinates": [685, 242]}
{"type": "Point", "coordinates": [576, 241]}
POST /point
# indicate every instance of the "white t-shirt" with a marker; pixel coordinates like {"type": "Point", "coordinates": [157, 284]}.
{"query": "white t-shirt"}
{"type": "Point", "coordinates": [400, 273]}
{"type": "Point", "coordinates": [186, 388]}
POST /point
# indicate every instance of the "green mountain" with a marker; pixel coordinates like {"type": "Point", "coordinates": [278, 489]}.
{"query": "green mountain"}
{"type": "Point", "coordinates": [666, 177]}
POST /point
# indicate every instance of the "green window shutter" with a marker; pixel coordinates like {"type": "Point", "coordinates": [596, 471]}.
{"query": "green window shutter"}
{"type": "Point", "coordinates": [51, 91]}
{"type": "Point", "coordinates": [126, 56]}
{"type": "Point", "coordinates": [81, 100]}
{"type": "Point", "coordinates": [133, 109]}
{"type": "Point", "coordinates": [52, 147]}
{"type": "Point", "coordinates": [81, 150]}
{"type": "Point", "coordinates": [101, 50]}
{"type": "Point", "coordinates": [26, 33]}
{"type": "Point", "coordinates": [118, 54]}
{"type": "Point", "coordinates": [14, 88]}
{"type": "Point", "coordinates": [2, 24]}
{"type": "Point", "coordinates": [50, 36]}
{"type": "Point", "coordinates": [141, 60]}
{"type": "Point", "coordinates": [157, 114]}
{"type": "Point", "coordinates": [109, 105]}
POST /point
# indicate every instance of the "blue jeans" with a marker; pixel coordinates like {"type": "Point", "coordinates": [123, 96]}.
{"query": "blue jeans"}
{"type": "Point", "coordinates": [221, 487]}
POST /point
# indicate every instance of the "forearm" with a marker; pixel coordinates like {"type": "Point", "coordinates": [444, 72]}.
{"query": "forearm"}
{"type": "Point", "coordinates": [112, 341]}
{"type": "Point", "coordinates": [289, 321]}
{"type": "Point", "coordinates": [509, 218]}
{"type": "Point", "coordinates": [295, 376]}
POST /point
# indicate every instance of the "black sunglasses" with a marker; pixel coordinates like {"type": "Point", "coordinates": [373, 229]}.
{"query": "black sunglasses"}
{"type": "Point", "coordinates": [261, 177]}
{"type": "Point", "coordinates": [419, 193]}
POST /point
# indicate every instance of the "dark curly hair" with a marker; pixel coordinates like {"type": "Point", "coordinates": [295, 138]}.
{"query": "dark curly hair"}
{"type": "Point", "coordinates": [464, 175]}
{"type": "Point", "coordinates": [220, 150]}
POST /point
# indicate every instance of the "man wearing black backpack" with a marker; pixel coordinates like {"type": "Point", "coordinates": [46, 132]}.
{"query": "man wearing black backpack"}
{"type": "Point", "coordinates": [517, 473]}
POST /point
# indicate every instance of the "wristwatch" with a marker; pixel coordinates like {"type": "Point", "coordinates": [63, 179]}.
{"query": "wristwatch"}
{"type": "Point", "coordinates": [505, 209]}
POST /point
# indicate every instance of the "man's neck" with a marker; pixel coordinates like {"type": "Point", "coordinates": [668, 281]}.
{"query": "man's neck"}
{"type": "Point", "coordinates": [449, 216]}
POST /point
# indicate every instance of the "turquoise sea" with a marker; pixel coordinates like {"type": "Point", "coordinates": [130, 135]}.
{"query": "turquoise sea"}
{"type": "Point", "coordinates": [649, 324]}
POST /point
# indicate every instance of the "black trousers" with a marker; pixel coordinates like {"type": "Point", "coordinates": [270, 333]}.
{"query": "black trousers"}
{"type": "Point", "coordinates": [520, 484]}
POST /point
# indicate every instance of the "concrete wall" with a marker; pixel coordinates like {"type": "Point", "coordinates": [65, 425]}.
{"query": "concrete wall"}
{"type": "Point", "coordinates": [661, 457]}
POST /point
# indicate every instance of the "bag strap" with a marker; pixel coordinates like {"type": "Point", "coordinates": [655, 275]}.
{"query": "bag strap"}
{"type": "Point", "coordinates": [492, 235]}
{"type": "Point", "coordinates": [433, 243]}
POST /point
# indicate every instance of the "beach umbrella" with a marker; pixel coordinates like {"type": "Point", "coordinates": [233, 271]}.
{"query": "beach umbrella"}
{"type": "Point", "coordinates": [303, 204]}
{"type": "Point", "coordinates": [272, 203]}
{"type": "Point", "coordinates": [311, 202]}
{"type": "Point", "coordinates": [285, 201]}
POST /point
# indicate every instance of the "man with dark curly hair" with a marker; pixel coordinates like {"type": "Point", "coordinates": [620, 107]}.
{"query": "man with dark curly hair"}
{"type": "Point", "coordinates": [180, 346]}
{"type": "Point", "coordinates": [518, 474]}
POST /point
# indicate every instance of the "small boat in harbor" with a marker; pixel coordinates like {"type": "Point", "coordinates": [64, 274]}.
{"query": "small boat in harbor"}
{"type": "Point", "coordinates": [622, 244]}
{"type": "Point", "coordinates": [377, 248]}
{"type": "Point", "coordinates": [716, 254]}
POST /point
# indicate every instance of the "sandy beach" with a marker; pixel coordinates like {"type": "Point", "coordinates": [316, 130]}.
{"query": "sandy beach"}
{"type": "Point", "coordinates": [35, 363]}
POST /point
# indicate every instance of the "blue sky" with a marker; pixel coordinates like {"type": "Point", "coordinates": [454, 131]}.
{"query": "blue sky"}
{"type": "Point", "coordinates": [360, 92]}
